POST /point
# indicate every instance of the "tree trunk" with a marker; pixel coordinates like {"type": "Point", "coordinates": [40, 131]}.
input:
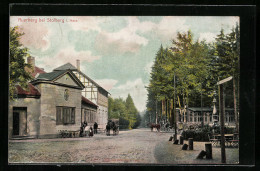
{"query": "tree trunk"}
{"type": "Point", "coordinates": [235, 104]}
{"type": "Point", "coordinates": [156, 113]}
{"type": "Point", "coordinates": [175, 114]}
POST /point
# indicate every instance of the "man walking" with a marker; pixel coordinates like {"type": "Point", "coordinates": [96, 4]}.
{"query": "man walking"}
{"type": "Point", "coordinates": [95, 127]}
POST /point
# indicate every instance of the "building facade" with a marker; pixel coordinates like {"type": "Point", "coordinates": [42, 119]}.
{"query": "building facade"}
{"type": "Point", "coordinates": [92, 91]}
{"type": "Point", "coordinates": [59, 100]}
{"type": "Point", "coordinates": [195, 115]}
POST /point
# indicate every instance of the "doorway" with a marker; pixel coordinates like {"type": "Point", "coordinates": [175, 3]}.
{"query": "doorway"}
{"type": "Point", "coordinates": [16, 123]}
{"type": "Point", "coordinates": [19, 121]}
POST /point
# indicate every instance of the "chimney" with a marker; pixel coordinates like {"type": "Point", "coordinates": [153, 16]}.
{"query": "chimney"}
{"type": "Point", "coordinates": [78, 64]}
{"type": "Point", "coordinates": [31, 61]}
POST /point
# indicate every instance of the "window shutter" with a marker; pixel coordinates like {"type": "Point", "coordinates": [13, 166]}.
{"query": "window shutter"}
{"type": "Point", "coordinates": [58, 116]}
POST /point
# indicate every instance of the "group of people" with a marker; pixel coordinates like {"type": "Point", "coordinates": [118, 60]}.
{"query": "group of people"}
{"type": "Point", "coordinates": [88, 130]}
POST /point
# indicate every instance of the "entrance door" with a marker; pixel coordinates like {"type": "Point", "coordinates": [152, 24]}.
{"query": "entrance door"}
{"type": "Point", "coordinates": [19, 121]}
{"type": "Point", "coordinates": [16, 123]}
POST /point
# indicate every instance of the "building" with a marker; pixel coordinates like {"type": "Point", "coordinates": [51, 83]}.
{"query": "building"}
{"type": "Point", "coordinates": [195, 116]}
{"type": "Point", "coordinates": [52, 102]}
{"type": "Point", "coordinates": [92, 91]}
{"type": "Point", "coordinates": [88, 111]}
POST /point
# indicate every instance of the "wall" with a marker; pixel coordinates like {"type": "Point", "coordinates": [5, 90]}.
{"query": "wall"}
{"type": "Point", "coordinates": [89, 108]}
{"type": "Point", "coordinates": [102, 108]}
{"type": "Point", "coordinates": [102, 99]}
{"type": "Point", "coordinates": [52, 96]}
{"type": "Point", "coordinates": [33, 114]}
{"type": "Point", "coordinates": [102, 116]}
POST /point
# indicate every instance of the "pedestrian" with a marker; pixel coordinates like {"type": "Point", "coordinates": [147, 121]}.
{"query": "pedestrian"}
{"type": "Point", "coordinates": [95, 127]}
{"type": "Point", "coordinates": [108, 129]}
{"type": "Point", "coordinates": [87, 130]}
{"type": "Point", "coordinates": [90, 132]}
{"type": "Point", "coordinates": [85, 123]}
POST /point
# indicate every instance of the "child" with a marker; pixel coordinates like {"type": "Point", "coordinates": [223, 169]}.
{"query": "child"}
{"type": "Point", "coordinates": [90, 132]}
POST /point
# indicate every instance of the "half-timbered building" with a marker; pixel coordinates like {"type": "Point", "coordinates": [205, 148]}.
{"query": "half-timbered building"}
{"type": "Point", "coordinates": [52, 103]}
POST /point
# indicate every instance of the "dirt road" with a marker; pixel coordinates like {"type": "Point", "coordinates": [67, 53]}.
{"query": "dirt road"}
{"type": "Point", "coordinates": [134, 146]}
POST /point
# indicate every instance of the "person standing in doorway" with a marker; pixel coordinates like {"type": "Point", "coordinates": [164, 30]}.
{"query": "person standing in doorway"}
{"type": "Point", "coordinates": [95, 127]}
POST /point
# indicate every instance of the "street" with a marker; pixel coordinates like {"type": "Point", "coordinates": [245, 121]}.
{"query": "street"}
{"type": "Point", "coordinates": [132, 146]}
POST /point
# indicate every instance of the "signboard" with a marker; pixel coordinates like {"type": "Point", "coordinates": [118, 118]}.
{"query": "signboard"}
{"type": "Point", "coordinates": [225, 80]}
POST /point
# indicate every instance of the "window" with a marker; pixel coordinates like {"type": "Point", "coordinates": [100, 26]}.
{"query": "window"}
{"type": "Point", "coordinates": [65, 115]}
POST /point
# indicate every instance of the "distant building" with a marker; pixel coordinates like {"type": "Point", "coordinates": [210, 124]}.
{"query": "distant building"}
{"type": "Point", "coordinates": [195, 116]}
{"type": "Point", "coordinates": [92, 91]}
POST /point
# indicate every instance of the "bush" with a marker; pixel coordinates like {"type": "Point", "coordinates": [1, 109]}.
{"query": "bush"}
{"type": "Point", "coordinates": [202, 134]}
{"type": "Point", "coordinates": [227, 130]}
{"type": "Point", "coordinates": [197, 135]}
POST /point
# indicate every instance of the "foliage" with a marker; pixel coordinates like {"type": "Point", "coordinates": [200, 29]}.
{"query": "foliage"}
{"type": "Point", "coordinates": [125, 110]}
{"type": "Point", "coordinates": [197, 135]}
{"type": "Point", "coordinates": [123, 123]}
{"type": "Point", "coordinates": [197, 67]}
{"type": "Point", "coordinates": [18, 53]}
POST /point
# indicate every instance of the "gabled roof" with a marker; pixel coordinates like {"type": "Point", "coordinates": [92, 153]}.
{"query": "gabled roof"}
{"type": "Point", "coordinates": [87, 101]}
{"type": "Point", "coordinates": [32, 91]}
{"type": "Point", "coordinates": [66, 67]}
{"type": "Point", "coordinates": [51, 77]}
{"type": "Point", "coordinates": [69, 66]}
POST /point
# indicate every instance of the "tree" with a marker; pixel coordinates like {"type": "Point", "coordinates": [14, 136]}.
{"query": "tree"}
{"type": "Point", "coordinates": [131, 111]}
{"type": "Point", "coordinates": [125, 111]}
{"type": "Point", "coordinates": [18, 53]}
{"type": "Point", "coordinates": [228, 52]}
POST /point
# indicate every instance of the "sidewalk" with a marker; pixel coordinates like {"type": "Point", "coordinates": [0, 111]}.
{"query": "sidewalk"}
{"type": "Point", "coordinates": [169, 153]}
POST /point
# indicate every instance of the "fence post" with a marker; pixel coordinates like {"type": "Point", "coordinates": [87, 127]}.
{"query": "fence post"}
{"type": "Point", "coordinates": [181, 139]}
{"type": "Point", "coordinates": [208, 149]}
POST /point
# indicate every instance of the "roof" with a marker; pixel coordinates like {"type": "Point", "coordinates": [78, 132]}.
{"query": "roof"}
{"type": "Point", "coordinates": [32, 91]}
{"type": "Point", "coordinates": [69, 66]}
{"type": "Point", "coordinates": [50, 75]}
{"type": "Point", "coordinates": [87, 101]}
{"type": "Point", "coordinates": [66, 67]}
{"type": "Point", "coordinates": [37, 71]}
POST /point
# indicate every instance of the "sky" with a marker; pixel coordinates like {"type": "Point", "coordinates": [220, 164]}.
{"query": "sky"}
{"type": "Point", "coordinates": [117, 52]}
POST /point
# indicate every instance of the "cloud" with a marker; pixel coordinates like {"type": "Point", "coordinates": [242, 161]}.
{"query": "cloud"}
{"type": "Point", "coordinates": [148, 67]}
{"type": "Point", "coordinates": [169, 27]}
{"type": "Point", "coordinates": [108, 42]}
{"type": "Point", "coordinates": [36, 35]}
{"type": "Point", "coordinates": [136, 89]}
{"type": "Point", "coordinates": [208, 37]}
{"type": "Point", "coordinates": [107, 84]}
{"type": "Point", "coordinates": [124, 40]}
{"type": "Point", "coordinates": [66, 55]}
